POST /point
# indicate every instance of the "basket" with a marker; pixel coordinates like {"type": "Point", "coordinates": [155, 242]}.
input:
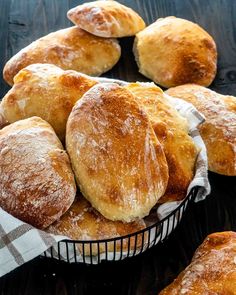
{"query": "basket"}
{"type": "Point", "coordinates": [119, 248]}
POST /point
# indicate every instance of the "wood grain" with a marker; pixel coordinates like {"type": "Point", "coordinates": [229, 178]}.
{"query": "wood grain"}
{"type": "Point", "coordinates": [4, 33]}
{"type": "Point", "coordinates": [23, 21]}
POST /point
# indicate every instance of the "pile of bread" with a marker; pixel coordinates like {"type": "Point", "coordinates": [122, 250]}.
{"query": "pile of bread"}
{"type": "Point", "coordinates": [127, 146]}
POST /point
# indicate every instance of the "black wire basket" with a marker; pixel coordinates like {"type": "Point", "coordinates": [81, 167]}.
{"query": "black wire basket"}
{"type": "Point", "coordinates": [119, 248]}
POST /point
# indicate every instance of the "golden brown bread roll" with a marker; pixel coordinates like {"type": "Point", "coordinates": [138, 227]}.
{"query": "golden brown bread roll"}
{"type": "Point", "coordinates": [219, 129]}
{"type": "Point", "coordinates": [173, 51]}
{"type": "Point", "coordinates": [3, 121]}
{"type": "Point", "coordinates": [83, 222]}
{"type": "Point", "coordinates": [46, 91]}
{"type": "Point", "coordinates": [172, 131]}
{"type": "Point", "coordinates": [36, 181]}
{"type": "Point", "coordinates": [119, 164]}
{"type": "Point", "coordinates": [106, 19]}
{"type": "Point", "coordinates": [69, 49]}
{"type": "Point", "coordinates": [212, 270]}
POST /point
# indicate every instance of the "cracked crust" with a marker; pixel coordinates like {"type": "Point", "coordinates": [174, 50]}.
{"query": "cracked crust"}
{"type": "Point", "coordinates": [181, 52]}
{"type": "Point", "coordinates": [45, 91]}
{"type": "Point", "coordinates": [219, 129]}
{"type": "Point", "coordinates": [171, 130]}
{"type": "Point", "coordinates": [69, 49]}
{"type": "Point", "coordinates": [36, 181]}
{"type": "Point", "coordinates": [83, 222]}
{"type": "Point", "coordinates": [119, 164]}
{"type": "Point", "coordinates": [108, 19]}
{"type": "Point", "coordinates": [212, 270]}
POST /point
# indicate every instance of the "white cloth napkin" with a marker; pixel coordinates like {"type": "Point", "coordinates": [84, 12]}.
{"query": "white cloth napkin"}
{"type": "Point", "coordinates": [21, 242]}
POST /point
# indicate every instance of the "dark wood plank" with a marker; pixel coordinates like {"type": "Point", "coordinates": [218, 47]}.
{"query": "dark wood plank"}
{"type": "Point", "coordinates": [30, 22]}
{"type": "Point", "coordinates": [4, 53]}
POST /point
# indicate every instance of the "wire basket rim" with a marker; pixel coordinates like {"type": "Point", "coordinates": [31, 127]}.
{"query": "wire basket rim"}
{"type": "Point", "coordinates": [142, 231]}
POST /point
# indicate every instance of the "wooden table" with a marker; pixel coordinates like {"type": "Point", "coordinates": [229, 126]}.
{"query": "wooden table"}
{"type": "Point", "coordinates": [21, 22]}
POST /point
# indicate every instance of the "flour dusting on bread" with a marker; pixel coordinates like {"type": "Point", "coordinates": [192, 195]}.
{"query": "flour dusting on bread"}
{"type": "Point", "coordinates": [109, 135]}
{"type": "Point", "coordinates": [36, 180]}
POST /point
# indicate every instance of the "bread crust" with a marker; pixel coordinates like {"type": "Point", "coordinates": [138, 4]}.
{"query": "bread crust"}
{"type": "Point", "coordinates": [219, 129]}
{"type": "Point", "coordinates": [36, 181]}
{"type": "Point", "coordinates": [212, 270]}
{"type": "Point", "coordinates": [173, 51]}
{"type": "Point", "coordinates": [3, 121]}
{"type": "Point", "coordinates": [119, 164]}
{"type": "Point", "coordinates": [69, 49]}
{"type": "Point", "coordinates": [108, 19]}
{"type": "Point", "coordinates": [83, 222]}
{"type": "Point", "coordinates": [171, 130]}
{"type": "Point", "coordinates": [46, 91]}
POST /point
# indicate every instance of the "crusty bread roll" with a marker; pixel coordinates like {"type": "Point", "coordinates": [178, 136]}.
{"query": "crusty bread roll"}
{"type": "Point", "coordinates": [3, 121]}
{"type": "Point", "coordinates": [106, 19]}
{"type": "Point", "coordinates": [212, 270]}
{"type": "Point", "coordinates": [219, 129]}
{"type": "Point", "coordinates": [173, 51]}
{"type": "Point", "coordinates": [119, 164]}
{"type": "Point", "coordinates": [36, 181]}
{"type": "Point", "coordinates": [46, 91]}
{"type": "Point", "coordinates": [172, 131]}
{"type": "Point", "coordinates": [83, 222]}
{"type": "Point", "coordinates": [70, 49]}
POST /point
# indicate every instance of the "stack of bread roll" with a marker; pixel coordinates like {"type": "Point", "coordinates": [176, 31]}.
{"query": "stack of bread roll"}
{"type": "Point", "coordinates": [126, 146]}
{"type": "Point", "coordinates": [184, 57]}
{"type": "Point", "coordinates": [89, 47]}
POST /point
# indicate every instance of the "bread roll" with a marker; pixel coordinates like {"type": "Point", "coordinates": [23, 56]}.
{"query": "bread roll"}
{"type": "Point", "coordinates": [3, 121]}
{"type": "Point", "coordinates": [212, 270]}
{"type": "Point", "coordinates": [173, 51]}
{"type": "Point", "coordinates": [172, 131]}
{"type": "Point", "coordinates": [83, 222]}
{"type": "Point", "coordinates": [36, 181]}
{"type": "Point", "coordinates": [69, 49]}
{"type": "Point", "coordinates": [106, 19]}
{"type": "Point", "coordinates": [219, 129]}
{"type": "Point", "coordinates": [119, 164]}
{"type": "Point", "coordinates": [46, 91]}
